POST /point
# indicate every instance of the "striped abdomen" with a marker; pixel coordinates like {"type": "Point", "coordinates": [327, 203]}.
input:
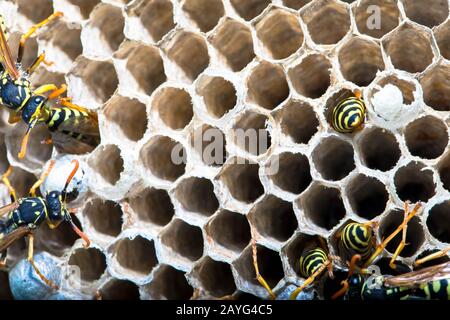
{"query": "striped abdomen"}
{"type": "Point", "coordinates": [348, 115]}
{"type": "Point", "coordinates": [357, 238]}
{"type": "Point", "coordinates": [436, 290]}
{"type": "Point", "coordinates": [311, 261]}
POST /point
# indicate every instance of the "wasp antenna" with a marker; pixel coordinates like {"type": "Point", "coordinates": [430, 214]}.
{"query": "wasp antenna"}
{"type": "Point", "coordinates": [23, 145]}
{"type": "Point", "coordinates": [81, 234]}
{"type": "Point", "coordinates": [72, 174]}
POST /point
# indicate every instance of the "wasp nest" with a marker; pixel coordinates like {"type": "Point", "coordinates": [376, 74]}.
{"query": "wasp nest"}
{"type": "Point", "coordinates": [165, 75]}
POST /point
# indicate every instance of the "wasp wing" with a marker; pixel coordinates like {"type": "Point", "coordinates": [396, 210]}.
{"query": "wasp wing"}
{"type": "Point", "coordinates": [416, 278]}
{"type": "Point", "coordinates": [8, 208]}
{"type": "Point", "coordinates": [7, 239]}
{"type": "Point", "coordinates": [6, 57]}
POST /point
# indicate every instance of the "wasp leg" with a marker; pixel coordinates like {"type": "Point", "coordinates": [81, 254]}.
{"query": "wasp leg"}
{"type": "Point", "coordinates": [31, 260]}
{"type": "Point", "coordinates": [6, 181]}
{"type": "Point", "coordinates": [402, 244]}
{"type": "Point", "coordinates": [3, 259]}
{"type": "Point", "coordinates": [351, 269]}
{"type": "Point", "coordinates": [41, 179]}
{"type": "Point", "coordinates": [57, 93]}
{"type": "Point", "coordinates": [45, 88]}
{"type": "Point", "coordinates": [258, 275]}
{"type": "Point", "coordinates": [436, 255]}
{"type": "Point", "coordinates": [47, 141]}
{"type": "Point", "coordinates": [308, 281]}
{"type": "Point", "coordinates": [14, 117]}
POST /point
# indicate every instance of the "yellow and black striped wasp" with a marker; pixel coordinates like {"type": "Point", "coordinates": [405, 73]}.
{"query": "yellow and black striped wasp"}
{"type": "Point", "coordinates": [24, 215]}
{"type": "Point", "coordinates": [74, 129]}
{"type": "Point", "coordinates": [349, 114]}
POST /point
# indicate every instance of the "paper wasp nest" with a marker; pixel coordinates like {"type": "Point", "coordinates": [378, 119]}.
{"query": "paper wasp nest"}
{"type": "Point", "coordinates": [163, 72]}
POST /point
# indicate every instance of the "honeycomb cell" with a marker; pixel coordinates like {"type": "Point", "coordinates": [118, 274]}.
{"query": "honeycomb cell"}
{"type": "Point", "coordinates": [426, 137]}
{"type": "Point", "coordinates": [414, 183]}
{"type": "Point", "coordinates": [436, 85]}
{"type": "Point", "coordinates": [122, 111]}
{"type": "Point", "coordinates": [153, 206]}
{"type": "Point", "coordinates": [108, 163]}
{"type": "Point", "coordinates": [219, 95]}
{"type": "Point", "coordinates": [334, 158]}
{"type": "Point", "coordinates": [197, 195]}
{"type": "Point", "coordinates": [90, 261]}
{"type": "Point", "coordinates": [105, 216]}
{"type": "Point", "coordinates": [250, 133]}
{"type": "Point", "coordinates": [296, 4]}
{"type": "Point", "coordinates": [376, 17]}
{"type": "Point", "coordinates": [323, 206]}
{"type": "Point", "coordinates": [429, 13]}
{"type": "Point", "coordinates": [274, 218]}
{"type": "Point", "coordinates": [280, 33]}
{"type": "Point", "coordinates": [267, 85]}
{"type": "Point", "coordinates": [438, 221]}
{"type": "Point", "coordinates": [42, 76]}
{"type": "Point", "coordinates": [367, 196]}
{"type": "Point", "coordinates": [360, 61]}
{"type": "Point", "coordinates": [249, 9]}
{"type": "Point", "coordinates": [240, 176]}
{"type": "Point", "coordinates": [293, 174]}
{"type": "Point", "coordinates": [175, 236]}
{"type": "Point", "coordinates": [414, 235]}
{"type": "Point", "coordinates": [409, 48]}
{"type": "Point", "coordinates": [234, 42]}
{"type": "Point", "coordinates": [406, 87]}
{"type": "Point", "coordinates": [174, 107]}
{"type": "Point", "coordinates": [189, 51]}
{"type": "Point", "coordinates": [117, 289]}
{"type": "Point", "coordinates": [327, 21]}
{"type": "Point", "coordinates": [169, 283]}
{"type": "Point", "coordinates": [85, 6]}
{"type": "Point", "coordinates": [311, 78]}
{"type": "Point", "coordinates": [442, 36]}
{"type": "Point", "coordinates": [230, 230]}
{"type": "Point", "coordinates": [157, 154]}
{"type": "Point", "coordinates": [444, 171]}
{"type": "Point", "coordinates": [35, 11]}
{"type": "Point", "coordinates": [215, 277]}
{"type": "Point", "coordinates": [205, 13]}
{"type": "Point", "coordinates": [209, 143]}
{"type": "Point", "coordinates": [30, 52]}
{"type": "Point", "coordinates": [298, 121]}
{"type": "Point", "coordinates": [370, 145]}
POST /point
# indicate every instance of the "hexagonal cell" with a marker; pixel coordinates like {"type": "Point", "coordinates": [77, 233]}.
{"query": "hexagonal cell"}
{"type": "Point", "coordinates": [230, 230]}
{"type": "Point", "coordinates": [85, 6]}
{"type": "Point", "coordinates": [369, 22]}
{"type": "Point", "coordinates": [5, 290]}
{"type": "Point", "coordinates": [406, 87]}
{"type": "Point", "coordinates": [438, 221]}
{"type": "Point", "coordinates": [414, 235]}
{"type": "Point", "coordinates": [250, 133]}
{"type": "Point", "coordinates": [209, 143]}
{"type": "Point", "coordinates": [280, 33]}
{"type": "Point", "coordinates": [267, 85]}
{"type": "Point", "coordinates": [219, 95]}
{"type": "Point", "coordinates": [334, 158]}
{"type": "Point", "coordinates": [215, 277]}
{"type": "Point", "coordinates": [413, 183]}
{"type": "Point", "coordinates": [31, 49]}
{"type": "Point", "coordinates": [444, 171]}
{"type": "Point", "coordinates": [367, 196]}
{"type": "Point", "coordinates": [105, 216]}
{"type": "Point", "coordinates": [360, 61]}
{"type": "Point", "coordinates": [154, 206]}
{"type": "Point", "coordinates": [169, 283]}
{"type": "Point", "coordinates": [156, 155]}
{"type": "Point", "coordinates": [430, 13]}
{"type": "Point", "coordinates": [249, 9]}
{"type": "Point", "coordinates": [426, 137]}
{"type": "Point", "coordinates": [174, 107]}
{"type": "Point", "coordinates": [119, 290]}
{"type": "Point", "coordinates": [90, 261]}
{"type": "Point", "coordinates": [327, 21]}
{"type": "Point", "coordinates": [299, 121]}
{"type": "Point", "coordinates": [234, 42]}
{"type": "Point", "coordinates": [436, 85]}
{"type": "Point", "coordinates": [135, 113]}
{"type": "Point", "coordinates": [205, 13]}
{"type": "Point", "coordinates": [242, 180]}
{"type": "Point", "coordinates": [42, 76]}
{"type": "Point", "coordinates": [409, 48]}
{"type": "Point", "coordinates": [189, 51]}
{"type": "Point", "coordinates": [197, 195]}
{"type": "Point", "coordinates": [296, 4]}
{"type": "Point", "coordinates": [323, 206]}
{"type": "Point", "coordinates": [370, 145]}
{"type": "Point", "coordinates": [156, 16]}
{"type": "Point", "coordinates": [311, 78]}
{"type": "Point", "coordinates": [35, 11]}
{"type": "Point", "coordinates": [175, 237]}
{"type": "Point", "coordinates": [136, 257]}
{"type": "Point", "coordinates": [108, 163]}
{"type": "Point", "coordinates": [442, 36]}
{"type": "Point", "coordinates": [274, 218]}
{"type": "Point", "coordinates": [293, 174]}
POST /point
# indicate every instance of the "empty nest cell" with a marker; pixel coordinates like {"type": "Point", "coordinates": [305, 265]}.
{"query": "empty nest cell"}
{"type": "Point", "coordinates": [444, 171]}
{"type": "Point", "coordinates": [250, 133]}
{"type": "Point", "coordinates": [123, 111]}
{"type": "Point", "coordinates": [436, 86]}
{"type": "Point", "coordinates": [157, 156]}
{"type": "Point", "coordinates": [105, 216]}
{"type": "Point", "coordinates": [117, 289]}
{"type": "Point", "coordinates": [367, 196]}
{"type": "Point", "coordinates": [267, 85]}
{"type": "Point", "coordinates": [428, 13]}
{"type": "Point", "coordinates": [215, 277]}
{"type": "Point", "coordinates": [209, 143]}
{"type": "Point", "coordinates": [184, 239]}
{"type": "Point", "coordinates": [299, 121]}
{"type": "Point", "coordinates": [36, 10]}
{"type": "Point", "coordinates": [85, 6]}
{"type": "Point", "coordinates": [108, 163]}
{"type": "Point", "coordinates": [296, 4]}
{"type": "Point", "coordinates": [414, 183]}
{"type": "Point", "coordinates": [91, 261]}
{"type": "Point", "coordinates": [293, 174]}
{"type": "Point", "coordinates": [234, 42]}
{"type": "Point", "coordinates": [426, 137]}
{"type": "Point", "coordinates": [154, 206]}
{"type": "Point", "coordinates": [219, 95]}
{"type": "Point", "coordinates": [169, 283]}
{"type": "Point", "coordinates": [323, 206]}
{"type": "Point", "coordinates": [136, 256]}
{"type": "Point", "coordinates": [311, 78]}
{"type": "Point", "coordinates": [280, 33]}
{"type": "Point", "coordinates": [189, 51]}
{"type": "Point", "coordinates": [274, 218]}
{"type": "Point", "coordinates": [197, 195]}
{"type": "Point", "coordinates": [230, 230]}
{"type": "Point", "coordinates": [442, 36]}
{"type": "Point", "coordinates": [438, 221]}
{"type": "Point", "coordinates": [334, 158]}
{"type": "Point", "coordinates": [376, 17]}
{"type": "Point", "coordinates": [205, 13]}
{"type": "Point", "coordinates": [174, 107]}
{"type": "Point", "coordinates": [249, 9]}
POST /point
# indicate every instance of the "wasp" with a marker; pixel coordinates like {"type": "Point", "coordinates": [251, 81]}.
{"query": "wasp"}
{"type": "Point", "coordinates": [25, 215]}
{"type": "Point", "coordinates": [349, 114]}
{"type": "Point", "coordinates": [74, 129]}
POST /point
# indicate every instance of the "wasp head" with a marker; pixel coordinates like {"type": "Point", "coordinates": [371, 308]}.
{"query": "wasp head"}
{"type": "Point", "coordinates": [56, 208]}
{"type": "Point", "coordinates": [34, 109]}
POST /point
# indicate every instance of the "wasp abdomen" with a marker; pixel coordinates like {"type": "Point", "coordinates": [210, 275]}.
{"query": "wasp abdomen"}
{"type": "Point", "coordinates": [348, 115]}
